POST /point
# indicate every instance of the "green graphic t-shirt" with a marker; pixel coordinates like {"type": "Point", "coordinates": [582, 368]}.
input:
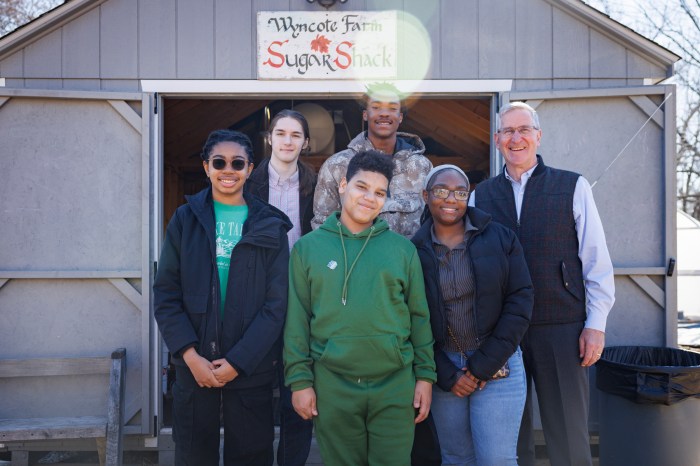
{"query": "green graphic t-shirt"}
{"type": "Point", "coordinates": [229, 228]}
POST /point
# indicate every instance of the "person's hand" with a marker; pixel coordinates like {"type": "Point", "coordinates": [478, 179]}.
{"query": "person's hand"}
{"type": "Point", "coordinates": [467, 384]}
{"type": "Point", "coordinates": [202, 370]}
{"type": "Point", "coordinates": [304, 403]}
{"type": "Point", "coordinates": [224, 371]}
{"type": "Point", "coordinates": [590, 344]}
{"type": "Point", "coordinates": [422, 397]}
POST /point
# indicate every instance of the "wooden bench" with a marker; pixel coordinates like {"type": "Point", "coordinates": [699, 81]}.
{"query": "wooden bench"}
{"type": "Point", "coordinates": [107, 430]}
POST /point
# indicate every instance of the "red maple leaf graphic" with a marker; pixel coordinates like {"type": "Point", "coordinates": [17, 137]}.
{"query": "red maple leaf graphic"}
{"type": "Point", "coordinates": [320, 44]}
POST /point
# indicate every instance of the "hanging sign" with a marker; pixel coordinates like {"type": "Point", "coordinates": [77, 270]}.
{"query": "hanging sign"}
{"type": "Point", "coordinates": [335, 44]}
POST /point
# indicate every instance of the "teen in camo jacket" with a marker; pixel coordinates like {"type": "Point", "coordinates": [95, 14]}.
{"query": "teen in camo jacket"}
{"type": "Point", "coordinates": [383, 114]}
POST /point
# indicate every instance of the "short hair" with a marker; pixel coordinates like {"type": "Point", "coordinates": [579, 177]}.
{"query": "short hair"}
{"type": "Point", "coordinates": [370, 161]}
{"type": "Point", "coordinates": [227, 135]}
{"type": "Point", "coordinates": [517, 106]}
{"type": "Point", "coordinates": [377, 91]}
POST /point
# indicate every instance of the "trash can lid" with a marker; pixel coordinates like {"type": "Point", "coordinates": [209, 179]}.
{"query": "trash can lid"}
{"type": "Point", "coordinates": [648, 374]}
{"type": "Point", "coordinates": [651, 359]}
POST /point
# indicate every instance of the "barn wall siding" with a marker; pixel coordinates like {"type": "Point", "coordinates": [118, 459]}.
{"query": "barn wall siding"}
{"type": "Point", "coordinates": [459, 37]}
{"type": "Point", "coordinates": [119, 40]}
{"type": "Point", "coordinates": [234, 47]}
{"type": "Point", "coordinates": [496, 40]}
{"type": "Point", "coordinates": [43, 59]}
{"type": "Point", "coordinates": [534, 42]}
{"type": "Point", "coordinates": [80, 46]}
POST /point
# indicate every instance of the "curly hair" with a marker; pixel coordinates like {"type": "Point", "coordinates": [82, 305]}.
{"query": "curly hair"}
{"type": "Point", "coordinates": [370, 161]}
{"type": "Point", "coordinates": [227, 135]}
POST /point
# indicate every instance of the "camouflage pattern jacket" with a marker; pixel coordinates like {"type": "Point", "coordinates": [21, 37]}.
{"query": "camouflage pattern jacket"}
{"type": "Point", "coordinates": [404, 205]}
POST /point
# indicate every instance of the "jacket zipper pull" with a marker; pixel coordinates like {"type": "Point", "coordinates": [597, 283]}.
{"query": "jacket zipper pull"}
{"type": "Point", "coordinates": [344, 301]}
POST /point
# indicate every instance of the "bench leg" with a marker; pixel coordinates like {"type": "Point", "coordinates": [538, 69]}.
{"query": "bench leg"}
{"type": "Point", "coordinates": [101, 443]}
{"type": "Point", "coordinates": [115, 410]}
{"type": "Point", "coordinates": [20, 458]}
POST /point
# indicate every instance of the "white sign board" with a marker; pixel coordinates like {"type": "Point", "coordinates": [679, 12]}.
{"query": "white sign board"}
{"type": "Point", "coordinates": [334, 44]}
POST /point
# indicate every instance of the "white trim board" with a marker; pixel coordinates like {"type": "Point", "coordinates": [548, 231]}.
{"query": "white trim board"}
{"type": "Point", "coordinates": [321, 87]}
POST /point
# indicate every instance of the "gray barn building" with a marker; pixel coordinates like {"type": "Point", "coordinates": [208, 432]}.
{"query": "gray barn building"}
{"type": "Point", "coordinates": [104, 105]}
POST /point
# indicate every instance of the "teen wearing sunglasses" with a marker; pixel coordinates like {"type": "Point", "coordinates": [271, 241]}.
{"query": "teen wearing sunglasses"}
{"type": "Point", "coordinates": [288, 184]}
{"type": "Point", "coordinates": [220, 297]}
{"type": "Point", "coordinates": [480, 298]}
{"type": "Point", "coordinates": [235, 164]}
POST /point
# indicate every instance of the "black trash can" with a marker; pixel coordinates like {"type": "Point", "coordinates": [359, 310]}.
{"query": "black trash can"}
{"type": "Point", "coordinates": [649, 406]}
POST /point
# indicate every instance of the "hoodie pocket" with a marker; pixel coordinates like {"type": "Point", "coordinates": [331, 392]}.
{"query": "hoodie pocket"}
{"type": "Point", "coordinates": [576, 289]}
{"type": "Point", "coordinates": [363, 356]}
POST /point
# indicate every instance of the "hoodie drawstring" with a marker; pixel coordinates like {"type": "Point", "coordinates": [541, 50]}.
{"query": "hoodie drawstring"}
{"type": "Point", "coordinates": [344, 297]}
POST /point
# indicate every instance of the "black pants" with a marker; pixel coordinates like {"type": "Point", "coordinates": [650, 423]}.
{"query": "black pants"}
{"type": "Point", "coordinates": [247, 419]}
{"type": "Point", "coordinates": [551, 357]}
{"type": "Point", "coordinates": [426, 446]}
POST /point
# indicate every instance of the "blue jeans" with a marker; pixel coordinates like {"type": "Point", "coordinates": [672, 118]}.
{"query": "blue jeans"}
{"type": "Point", "coordinates": [481, 429]}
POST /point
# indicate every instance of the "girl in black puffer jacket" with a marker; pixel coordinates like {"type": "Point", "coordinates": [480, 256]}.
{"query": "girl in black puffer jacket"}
{"type": "Point", "coordinates": [480, 297]}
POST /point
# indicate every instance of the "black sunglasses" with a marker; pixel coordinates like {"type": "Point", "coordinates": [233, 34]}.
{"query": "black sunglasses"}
{"type": "Point", "coordinates": [236, 164]}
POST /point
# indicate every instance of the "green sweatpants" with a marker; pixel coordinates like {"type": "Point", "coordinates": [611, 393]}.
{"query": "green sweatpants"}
{"type": "Point", "coordinates": [365, 421]}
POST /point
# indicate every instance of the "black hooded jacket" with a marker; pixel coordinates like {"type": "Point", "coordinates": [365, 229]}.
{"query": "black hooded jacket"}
{"type": "Point", "coordinates": [187, 295]}
{"type": "Point", "coordinates": [503, 302]}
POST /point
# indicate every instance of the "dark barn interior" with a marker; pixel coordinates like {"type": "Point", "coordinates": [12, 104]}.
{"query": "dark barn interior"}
{"type": "Point", "coordinates": [453, 130]}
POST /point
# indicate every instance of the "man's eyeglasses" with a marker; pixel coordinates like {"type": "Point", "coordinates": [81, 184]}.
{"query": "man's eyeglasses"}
{"type": "Point", "coordinates": [236, 164]}
{"type": "Point", "coordinates": [442, 193]}
{"type": "Point", "coordinates": [522, 130]}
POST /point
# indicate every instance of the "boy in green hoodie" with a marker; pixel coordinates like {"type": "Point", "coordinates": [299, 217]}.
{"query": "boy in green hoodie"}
{"type": "Point", "coordinates": [358, 349]}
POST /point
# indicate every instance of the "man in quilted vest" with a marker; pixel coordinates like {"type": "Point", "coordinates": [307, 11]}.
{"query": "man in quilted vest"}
{"type": "Point", "coordinates": [555, 217]}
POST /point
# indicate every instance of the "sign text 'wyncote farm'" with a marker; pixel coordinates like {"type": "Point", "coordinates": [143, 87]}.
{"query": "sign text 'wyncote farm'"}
{"type": "Point", "coordinates": [336, 45]}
